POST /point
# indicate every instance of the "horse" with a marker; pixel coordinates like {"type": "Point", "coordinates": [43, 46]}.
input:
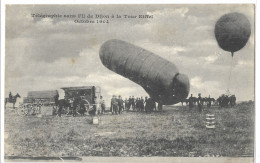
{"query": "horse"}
{"type": "Point", "coordinates": [83, 106]}
{"type": "Point", "coordinates": [225, 100]}
{"type": "Point", "coordinates": [12, 99]}
{"type": "Point", "coordinates": [61, 105]}
{"type": "Point", "coordinates": [78, 105]}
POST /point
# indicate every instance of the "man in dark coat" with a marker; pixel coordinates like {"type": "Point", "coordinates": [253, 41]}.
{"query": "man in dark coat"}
{"type": "Point", "coordinates": [129, 102]}
{"type": "Point", "coordinates": [147, 104]}
{"type": "Point", "coordinates": [137, 104]}
{"type": "Point", "coordinates": [133, 102]}
{"type": "Point", "coordinates": [208, 100]}
{"type": "Point", "coordinates": [153, 105]}
{"type": "Point", "coordinates": [142, 104]}
{"type": "Point", "coordinates": [75, 104]}
{"type": "Point", "coordinates": [114, 105]}
{"type": "Point", "coordinates": [120, 104]}
{"type": "Point", "coordinates": [191, 101]}
{"type": "Point", "coordinates": [200, 102]}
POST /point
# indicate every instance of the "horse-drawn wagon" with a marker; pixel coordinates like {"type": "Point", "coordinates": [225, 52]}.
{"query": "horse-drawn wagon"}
{"type": "Point", "coordinates": [78, 100]}
{"type": "Point", "coordinates": [36, 99]}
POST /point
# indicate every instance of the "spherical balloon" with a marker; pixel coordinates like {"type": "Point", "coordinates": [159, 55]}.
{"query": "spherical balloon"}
{"type": "Point", "coordinates": [232, 31]}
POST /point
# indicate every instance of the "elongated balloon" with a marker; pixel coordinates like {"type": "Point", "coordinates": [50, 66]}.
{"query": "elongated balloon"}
{"type": "Point", "coordinates": [232, 31]}
{"type": "Point", "coordinates": [159, 77]}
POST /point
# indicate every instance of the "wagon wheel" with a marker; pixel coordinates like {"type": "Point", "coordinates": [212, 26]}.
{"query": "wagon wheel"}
{"type": "Point", "coordinates": [33, 110]}
{"type": "Point", "coordinates": [24, 110]}
{"type": "Point", "coordinates": [65, 110]}
{"type": "Point", "coordinates": [20, 109]}
{"type": "Point", "coordinates": [28, 110]}
{"type": "Point", "coordinates": [86, 105]}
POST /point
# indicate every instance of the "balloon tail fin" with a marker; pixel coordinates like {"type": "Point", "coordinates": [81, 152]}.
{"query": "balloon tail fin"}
{"type": "Point", "coordinates": [232, 53]}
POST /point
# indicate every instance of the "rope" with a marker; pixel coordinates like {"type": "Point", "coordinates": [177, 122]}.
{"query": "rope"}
{"type": "Point", "coordinates": [230, 72]}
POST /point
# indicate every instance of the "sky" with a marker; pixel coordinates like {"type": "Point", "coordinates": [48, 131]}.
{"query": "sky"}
{"type": "Point", "coordinates": [50, 53]}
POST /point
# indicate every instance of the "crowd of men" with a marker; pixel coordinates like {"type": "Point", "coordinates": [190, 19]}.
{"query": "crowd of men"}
{"type": "Point", "coordinates": [99, 106]}
{"type": "Point", "coordinates": [139, 104]}
{"type": "Point", "coordinates": [192, 101]}
{"type": "Point", "coordinates": [223, 101]}
{"type": "Point", "coordinates": [147, 105]}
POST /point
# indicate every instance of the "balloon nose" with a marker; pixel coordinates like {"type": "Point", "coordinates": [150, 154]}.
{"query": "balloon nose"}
{"type": "Point", "coordinates": [182, 86]}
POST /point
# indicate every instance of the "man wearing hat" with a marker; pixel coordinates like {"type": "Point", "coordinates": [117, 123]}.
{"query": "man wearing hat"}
{"type": "Point", "coordinates": [191, 101]}
{"type": "Point", "coordinates": [120, 104]}
{"type": "Point", "coordinates": [133, 102]}
{"type": "Point", "coordinates": [114, 105]}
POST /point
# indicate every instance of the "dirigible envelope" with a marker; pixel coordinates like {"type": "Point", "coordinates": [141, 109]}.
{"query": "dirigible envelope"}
{"type": "Point", "coordinates": [159, 77]}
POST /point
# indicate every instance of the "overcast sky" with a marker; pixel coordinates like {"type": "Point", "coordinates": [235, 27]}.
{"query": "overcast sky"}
{"type": "Point", "coordinates": [47, 54]}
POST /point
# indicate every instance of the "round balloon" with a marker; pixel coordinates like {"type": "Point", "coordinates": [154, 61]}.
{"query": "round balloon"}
{"type": "Point", "coordinates": [232, 31]}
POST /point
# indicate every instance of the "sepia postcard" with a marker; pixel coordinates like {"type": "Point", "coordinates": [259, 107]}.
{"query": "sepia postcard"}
{"type": "Point", "coordinates": [129, 83]}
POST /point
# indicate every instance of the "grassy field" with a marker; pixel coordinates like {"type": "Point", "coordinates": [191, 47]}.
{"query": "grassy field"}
{"type": "Point", "coordinates": [176, 131]}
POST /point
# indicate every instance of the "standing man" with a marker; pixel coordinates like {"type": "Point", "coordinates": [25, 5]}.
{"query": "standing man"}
{"type": "Point", "coordinates": [209, 102]}
{"type": "Point", "coordinates": [191, 101]}
{"type": "Point", "coordinates": [129, 102]}
{"type": "Point", "coordinates": [133, 103]}
{"type": "Point", "coordinates": [103, 106]}
{"type": "Point", "coordinates": [200, 102]}
{"type": "Point", "coordinates": [120, 104]}
{"type": "Point", "coordinates": [147, 105]}
{"type": "Point", "coordinates": [142, 104]}
{"type": "Point", "coordinates": [75, 104]}
{"type": "Point", "coordinates": [153, 105]}
{"type": "Point", "coordinates": [160, 106]}
{"type": "Point", "coordinates": [137, 104]}
{"type": "Point", "coordinates": [114, 105]}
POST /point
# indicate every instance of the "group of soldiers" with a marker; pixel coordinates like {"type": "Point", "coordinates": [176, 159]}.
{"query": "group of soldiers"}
{"type": "Point", "coordinates": [118, 105]}
{"type": "Point", "coordinates": [192, 101]}
{"type": "Point", "coordinates": [140, 104]}
{"type": "Point", "coordinates": [223, 101]}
